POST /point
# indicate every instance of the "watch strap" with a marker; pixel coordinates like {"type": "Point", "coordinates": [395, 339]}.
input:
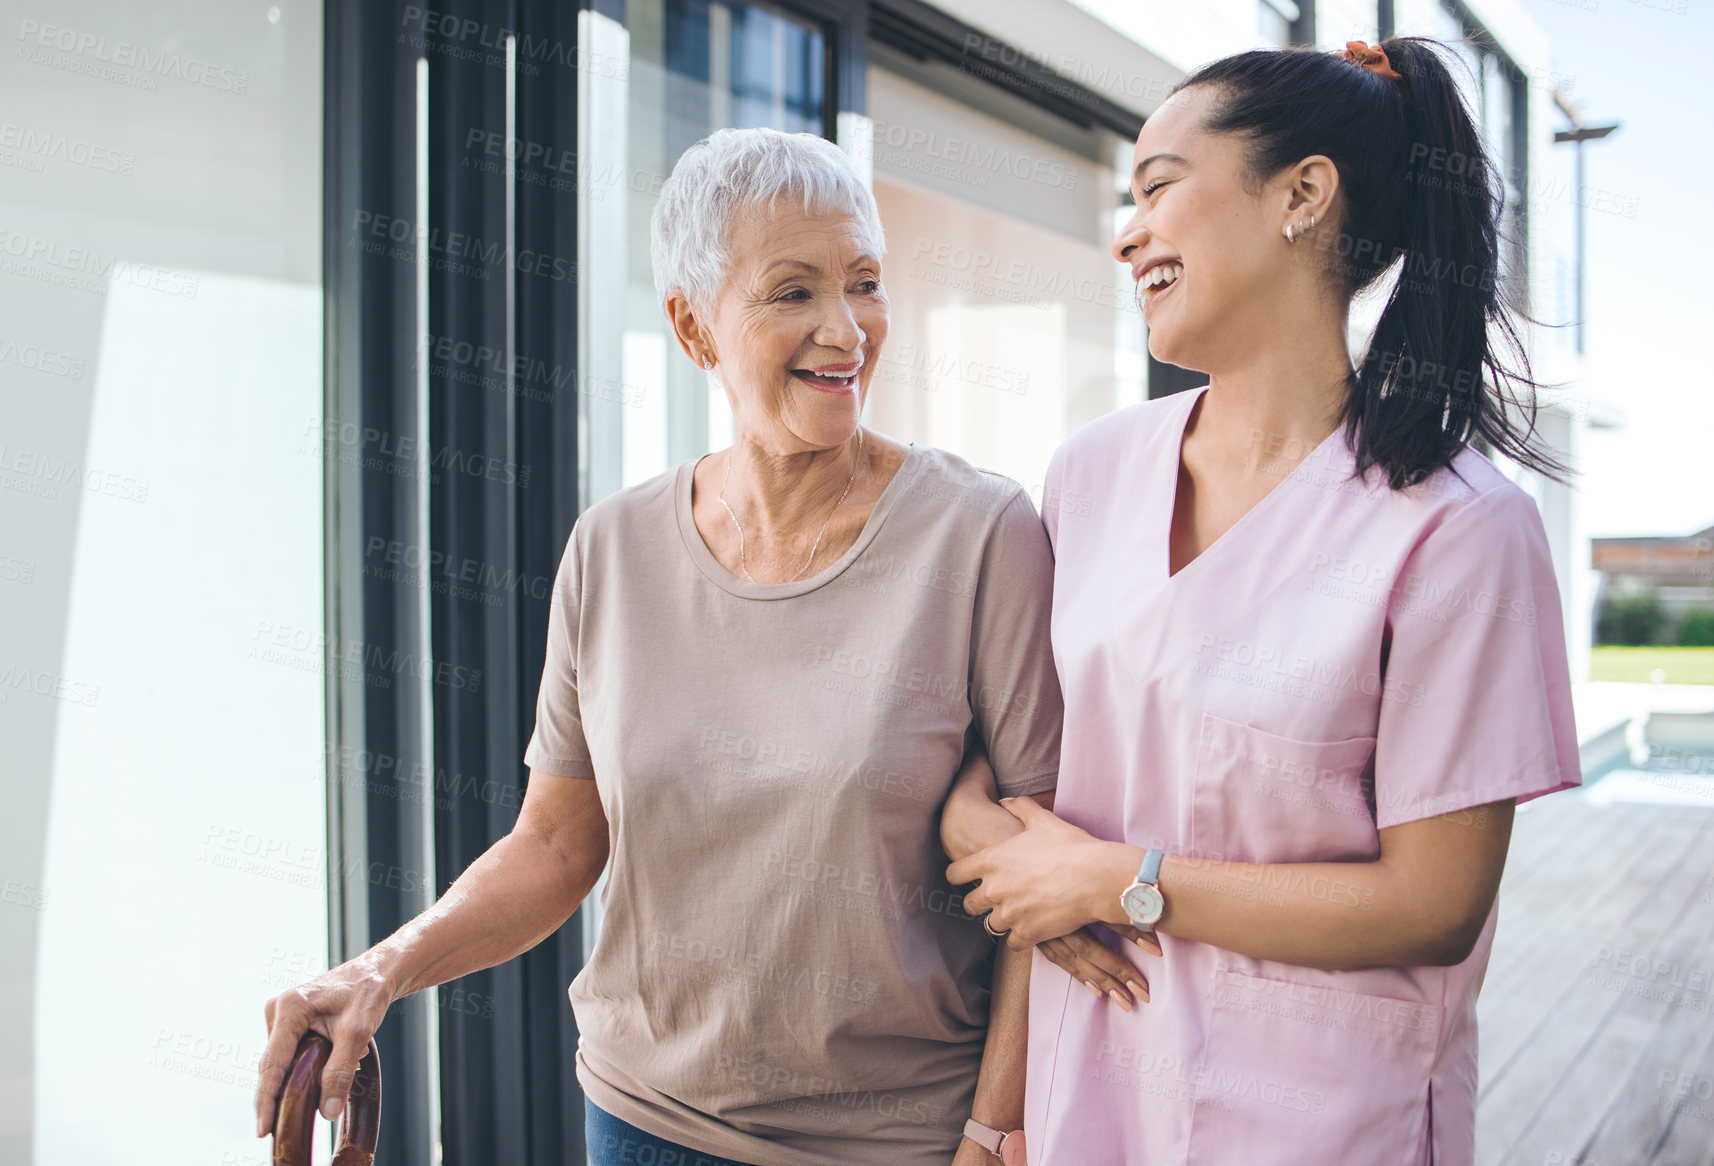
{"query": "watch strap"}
{"type": "Point", "coordinates": [1150, 871]}
{"type": "Point", "coordinates": [987, 1137]}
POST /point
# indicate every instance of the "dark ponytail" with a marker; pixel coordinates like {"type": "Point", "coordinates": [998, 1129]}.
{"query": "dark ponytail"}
{"type": "Point", "coordinates": [1446, 367]}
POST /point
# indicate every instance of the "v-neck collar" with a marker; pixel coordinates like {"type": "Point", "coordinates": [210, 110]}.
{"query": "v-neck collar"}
{"type": "Point", "coordinates": [1174, 462]}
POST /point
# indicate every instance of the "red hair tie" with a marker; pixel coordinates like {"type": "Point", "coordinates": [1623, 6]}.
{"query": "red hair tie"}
{"type": "Point", "coordinates": [1370, 57]}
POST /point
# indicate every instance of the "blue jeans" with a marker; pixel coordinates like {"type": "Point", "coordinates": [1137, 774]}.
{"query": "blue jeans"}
{"type": "Point", "coordinates": [613, 1142]}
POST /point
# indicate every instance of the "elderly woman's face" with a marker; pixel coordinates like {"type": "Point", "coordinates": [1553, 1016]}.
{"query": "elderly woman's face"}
{"type": "Point", "coordinates": [799, 327]}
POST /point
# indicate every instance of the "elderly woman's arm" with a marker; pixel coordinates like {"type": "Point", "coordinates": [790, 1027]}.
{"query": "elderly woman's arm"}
{"type": "Point", "coordinates": [999, 1102]}
{"type": "Point", "coordinates": [519, 892]}
{"type": "Point", "coordinates": [973, 820]}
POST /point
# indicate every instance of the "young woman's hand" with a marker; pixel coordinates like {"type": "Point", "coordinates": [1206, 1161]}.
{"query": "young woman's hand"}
{"type": "Point", "coordinates": [1036, 885]}
{"type": "Point", "coordinates": [973, 821]}
{"type": "Point", "coordinates": [1095, 965]}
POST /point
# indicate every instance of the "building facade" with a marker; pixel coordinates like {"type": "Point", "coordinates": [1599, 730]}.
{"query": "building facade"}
{"type": "Point", "coordinates": [1678, 570]}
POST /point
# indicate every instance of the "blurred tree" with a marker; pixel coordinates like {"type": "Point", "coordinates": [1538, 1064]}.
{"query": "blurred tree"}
{"type": "Point", "coordinates": [1632, 618]}
{"type": "Point", "coordinates": [1696, 629]}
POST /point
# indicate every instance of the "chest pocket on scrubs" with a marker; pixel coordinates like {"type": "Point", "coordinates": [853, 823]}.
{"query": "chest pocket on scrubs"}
{"type": "Point", "coordinates": [1264, 798]}
{"type": "Point", "coordinates": [1299, 1073]}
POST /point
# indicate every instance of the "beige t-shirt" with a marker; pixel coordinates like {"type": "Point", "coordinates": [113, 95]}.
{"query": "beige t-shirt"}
{"type": "Point", "coordinates": [784, 976]}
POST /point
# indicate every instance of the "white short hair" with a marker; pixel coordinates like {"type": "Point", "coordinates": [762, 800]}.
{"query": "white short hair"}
{"type": "Point", "coordinates": [731, 172]}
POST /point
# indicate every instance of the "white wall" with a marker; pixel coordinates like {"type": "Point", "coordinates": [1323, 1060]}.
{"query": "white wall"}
{"type": "Point", "coordinates": [162, 840]}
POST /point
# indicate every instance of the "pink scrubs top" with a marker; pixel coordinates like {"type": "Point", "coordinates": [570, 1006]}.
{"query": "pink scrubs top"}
{"type": "Point", "coordinates": [1345, 658]}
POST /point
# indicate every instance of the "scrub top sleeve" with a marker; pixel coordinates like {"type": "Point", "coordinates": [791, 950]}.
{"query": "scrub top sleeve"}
{"type": "Point", "coordinates": [558, 746]}
{"type": "Point", "coordinates": [1051, 493]}
{"type": "Point", "coordinates": [1476, 692]}
{"type": "Point", "coordinates": [1014, 688]}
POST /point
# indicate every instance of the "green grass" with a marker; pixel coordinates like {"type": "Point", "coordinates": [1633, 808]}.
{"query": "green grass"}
{"type": "Point", "coordinates": [1681, 665]}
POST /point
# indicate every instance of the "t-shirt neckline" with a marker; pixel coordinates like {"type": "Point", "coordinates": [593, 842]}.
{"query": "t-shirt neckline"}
{"type": "Point", "coordinates": [743, 588]}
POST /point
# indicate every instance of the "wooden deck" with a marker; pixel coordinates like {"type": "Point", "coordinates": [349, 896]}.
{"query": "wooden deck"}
{"type": "Point", "coordinates": [1597, 1015]}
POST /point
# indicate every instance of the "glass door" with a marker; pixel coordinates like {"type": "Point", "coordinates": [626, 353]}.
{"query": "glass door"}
{"type": "Point", "coordinates": [1012, 324]}
{"type": "Point", "coordinates": [693, 66]}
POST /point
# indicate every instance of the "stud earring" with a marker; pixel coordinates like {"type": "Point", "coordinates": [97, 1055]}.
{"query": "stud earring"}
{"type": "Point", "coordinates": [707, 365]}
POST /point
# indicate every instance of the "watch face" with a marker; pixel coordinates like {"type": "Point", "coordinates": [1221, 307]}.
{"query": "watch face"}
{"type": "Point", "coordinates": [1012, 1149]}
{"type": "Point", "coordinates": [1143, 903]}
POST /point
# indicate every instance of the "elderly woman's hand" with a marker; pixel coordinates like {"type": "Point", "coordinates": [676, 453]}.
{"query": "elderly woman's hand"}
{"type": "Point", "coordinates": [345, 1004]}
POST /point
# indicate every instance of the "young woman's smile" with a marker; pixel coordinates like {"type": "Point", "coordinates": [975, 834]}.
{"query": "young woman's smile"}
{"type": "Point", "coordinates": [1199, 211]}
{"type": "Point", "coordinates": [1157, 279]}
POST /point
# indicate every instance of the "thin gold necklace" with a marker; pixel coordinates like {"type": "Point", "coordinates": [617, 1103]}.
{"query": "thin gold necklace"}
{"type": "Point", "coordinates": [743, 555]}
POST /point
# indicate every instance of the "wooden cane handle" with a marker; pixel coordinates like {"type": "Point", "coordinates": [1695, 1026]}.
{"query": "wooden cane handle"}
{"type": "Point", "coordinates": [294, 1120]}
{"type": "Point", "coordinates": [360, 1124]}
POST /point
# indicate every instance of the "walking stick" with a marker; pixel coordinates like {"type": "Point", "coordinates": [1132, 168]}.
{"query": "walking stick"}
{"type": "Point", "coordinates": [359, 1124]}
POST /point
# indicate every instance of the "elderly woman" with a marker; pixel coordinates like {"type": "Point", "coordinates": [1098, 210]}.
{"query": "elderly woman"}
{"type": "Point", "coordinates": [763, 672]}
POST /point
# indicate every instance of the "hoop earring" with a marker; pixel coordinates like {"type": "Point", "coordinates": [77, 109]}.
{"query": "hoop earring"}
{"type": "Point", "coordinates": [1289, 237]}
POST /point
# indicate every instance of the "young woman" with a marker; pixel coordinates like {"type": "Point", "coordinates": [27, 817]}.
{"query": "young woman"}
{"type": "Point", "coordinates": [1309, 640]}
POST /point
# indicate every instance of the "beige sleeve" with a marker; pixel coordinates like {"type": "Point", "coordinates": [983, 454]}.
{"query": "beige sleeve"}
{"type": "Point", "coordinates": [557, 746]}
{"type": "Point", "coordinates": [1014, 687]}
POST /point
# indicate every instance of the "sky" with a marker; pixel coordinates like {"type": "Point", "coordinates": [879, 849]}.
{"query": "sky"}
{"type": "Point", "coordinates": [1650, 298]}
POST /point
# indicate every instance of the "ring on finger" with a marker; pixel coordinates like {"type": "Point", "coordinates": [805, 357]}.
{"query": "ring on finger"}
{"type": "Point", "coordinates": [989, 928]}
